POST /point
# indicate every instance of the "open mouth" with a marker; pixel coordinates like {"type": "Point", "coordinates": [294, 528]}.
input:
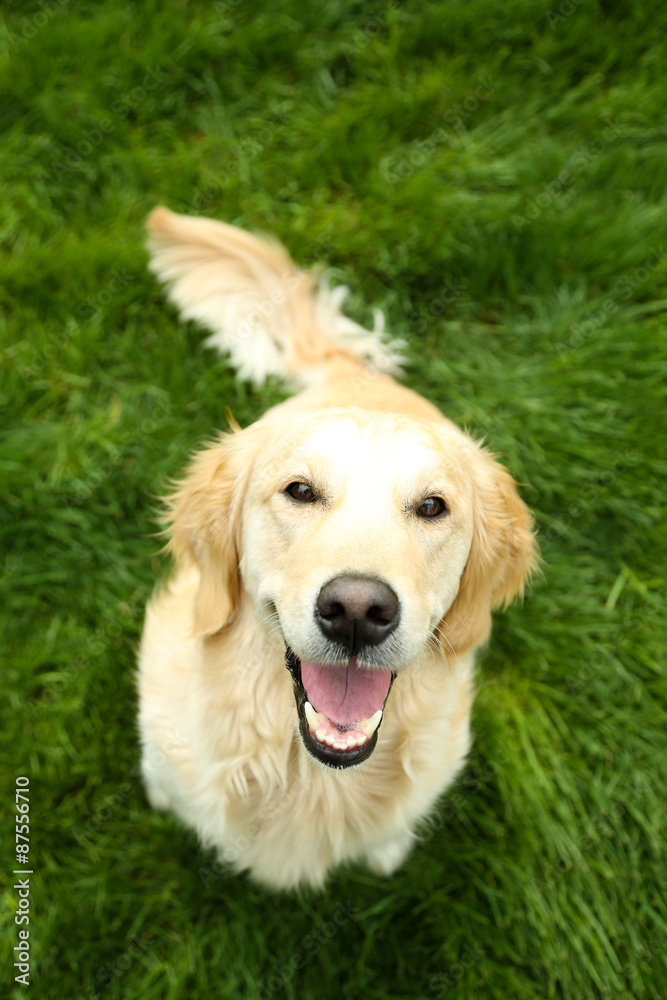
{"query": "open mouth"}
{"type": "Point", "coordinates": [339, 708]}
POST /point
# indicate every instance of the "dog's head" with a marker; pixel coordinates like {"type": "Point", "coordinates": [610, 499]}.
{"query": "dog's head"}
{"type": "Point", "coordinates": [366, 536]}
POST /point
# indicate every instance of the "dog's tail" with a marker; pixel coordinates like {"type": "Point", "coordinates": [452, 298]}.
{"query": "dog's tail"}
{"type": "Point", "coordinates": [271, 317]}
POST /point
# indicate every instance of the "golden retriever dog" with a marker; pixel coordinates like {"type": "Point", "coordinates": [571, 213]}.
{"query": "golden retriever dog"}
{"type": "Point", "coordinates": [306, 676]}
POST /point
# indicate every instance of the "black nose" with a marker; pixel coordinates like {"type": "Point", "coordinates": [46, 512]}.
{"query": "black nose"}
{"type": "Point", "coordinates": [356, 611]}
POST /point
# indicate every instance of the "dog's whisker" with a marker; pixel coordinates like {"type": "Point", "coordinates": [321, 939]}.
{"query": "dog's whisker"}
{"type": "Point", "coordinates": [438, 629]}
{"type": "Point", "coordinates": [272, 616]}
{"type": "Point", "coordinates": [433, 646]}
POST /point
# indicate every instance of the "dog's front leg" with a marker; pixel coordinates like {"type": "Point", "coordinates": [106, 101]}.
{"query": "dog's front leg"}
{"type": "Point", "coordinates": [386, 857]}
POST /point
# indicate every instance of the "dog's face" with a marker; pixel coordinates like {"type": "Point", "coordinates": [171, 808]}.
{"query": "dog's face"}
{"type": "Point", "coordinates": [373, 500]}
{"type": "Point", "coordinates": [365, 536]}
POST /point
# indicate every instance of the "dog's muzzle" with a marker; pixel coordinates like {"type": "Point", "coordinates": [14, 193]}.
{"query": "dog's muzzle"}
{"type": "Point", "coordinates": [340, 708]}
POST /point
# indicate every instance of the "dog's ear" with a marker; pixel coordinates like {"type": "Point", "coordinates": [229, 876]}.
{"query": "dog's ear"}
{"type": "Point", "coordinates": [503, 554]}
{"type": "Point", "coordinates": [205, 516]}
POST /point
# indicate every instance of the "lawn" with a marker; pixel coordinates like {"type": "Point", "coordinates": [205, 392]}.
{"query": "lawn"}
{"type": "Point", "coordinates": [492, 176]}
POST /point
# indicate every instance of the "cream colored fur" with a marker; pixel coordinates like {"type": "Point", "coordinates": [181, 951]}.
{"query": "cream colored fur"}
{"type": "Point", "coordinates": [217, 714]}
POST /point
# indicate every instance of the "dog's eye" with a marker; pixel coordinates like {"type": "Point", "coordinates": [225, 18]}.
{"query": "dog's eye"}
{"type": "Point", "coordinates": [301, 492]}
{"type": "Point", "coordinates": [432, 507]}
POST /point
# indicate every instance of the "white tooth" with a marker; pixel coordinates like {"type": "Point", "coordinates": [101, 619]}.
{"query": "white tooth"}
{"type": "Point", "coordinates": [330, 739]}
{"type": "Point", "coordinates": [320, 735]}
{"type": "Point", "coordinates": [340, 746]}
{"type": "Point", "coordinates": [370, 725]}
{"type": "Point", "coordinates": [361, 740]}
{"type": "Point", "coordinates": [312, 717]}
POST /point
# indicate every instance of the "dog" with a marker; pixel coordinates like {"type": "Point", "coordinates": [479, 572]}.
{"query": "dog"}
{"type": "Point", "coordinates": [306, 676]}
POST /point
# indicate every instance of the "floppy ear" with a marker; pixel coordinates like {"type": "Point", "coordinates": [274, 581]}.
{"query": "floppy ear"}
{"type": "Point", "coordinates": [503, 554]}
{"type": "Point", "coordinates": [205, 516]}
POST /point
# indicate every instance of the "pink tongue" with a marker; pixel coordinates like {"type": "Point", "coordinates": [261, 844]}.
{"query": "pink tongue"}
{"type": "Point", "coordinates": [345, 694]}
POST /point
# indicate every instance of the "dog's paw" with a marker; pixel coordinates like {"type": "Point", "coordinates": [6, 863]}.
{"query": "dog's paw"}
{"type": "Point", "coordinates": [385, 859]}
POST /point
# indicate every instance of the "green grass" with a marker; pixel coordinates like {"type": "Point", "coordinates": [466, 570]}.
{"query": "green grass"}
{"type": "Point", "coordinates": [508, 242]}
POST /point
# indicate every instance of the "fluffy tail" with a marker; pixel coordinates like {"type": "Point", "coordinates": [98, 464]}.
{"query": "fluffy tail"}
{"type": "Point", "coordinates": [270, 317]}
